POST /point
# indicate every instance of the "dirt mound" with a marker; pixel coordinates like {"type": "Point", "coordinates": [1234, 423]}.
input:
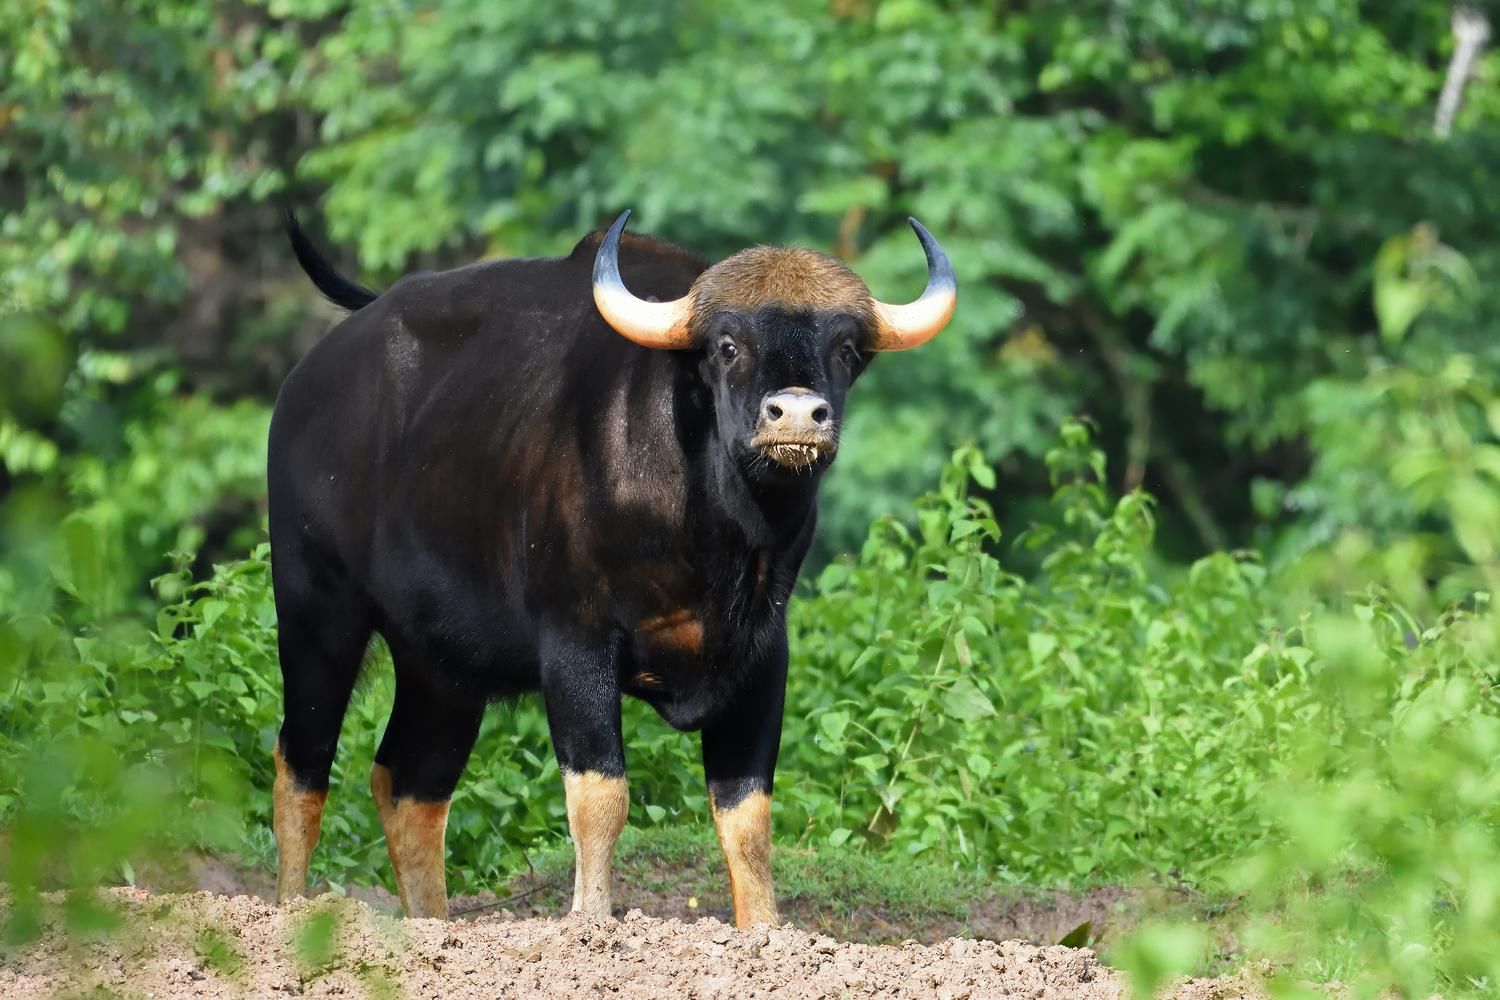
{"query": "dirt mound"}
{"type": "Point", "coordinates": [205, 945]}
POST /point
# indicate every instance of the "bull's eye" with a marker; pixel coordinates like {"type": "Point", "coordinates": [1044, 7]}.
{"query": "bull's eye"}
{"type": "Point", "coordinates": [847, 354]}
{"type": "Point", "coordinates": [727, 351]}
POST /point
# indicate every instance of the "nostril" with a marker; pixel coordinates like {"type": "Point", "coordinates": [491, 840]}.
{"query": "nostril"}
{"type": "Point", "coordinates": [773, 411]}
{"type": "Point", "coordinates": [820, 415]}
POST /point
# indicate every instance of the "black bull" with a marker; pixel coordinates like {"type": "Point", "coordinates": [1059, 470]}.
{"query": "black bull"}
{"type": "Point", "coordinates": [526, 478]}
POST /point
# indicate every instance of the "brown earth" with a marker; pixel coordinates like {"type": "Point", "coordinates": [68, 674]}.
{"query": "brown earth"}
{"type": "Point", "coordinates": [692, 886]}
{"type": "Point", "coordinates": [209, 945]}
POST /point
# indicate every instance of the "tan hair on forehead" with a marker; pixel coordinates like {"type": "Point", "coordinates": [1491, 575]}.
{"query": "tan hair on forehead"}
{"type": "Point", "coordinates": [792, 277]}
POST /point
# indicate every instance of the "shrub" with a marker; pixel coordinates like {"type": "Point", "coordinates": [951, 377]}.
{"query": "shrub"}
{"type": "Point", "coordinates": [1336, 761]}
{"type": "Point", "coordinates": [1087, 723]}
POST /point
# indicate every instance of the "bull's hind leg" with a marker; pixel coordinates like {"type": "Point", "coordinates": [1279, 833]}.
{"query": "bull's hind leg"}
{"type": "Point", "coordinates": [420, 760]}
{"type": "Point", "coordinates": [323, 628]}
{"type": "Point", "coordinates": [582, 690]}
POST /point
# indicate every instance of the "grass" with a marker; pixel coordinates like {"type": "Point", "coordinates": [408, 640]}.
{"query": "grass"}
{"type": "Point", "coordinates": [217, 951]}
{"type": "Point", "coordinates": [677, 863]}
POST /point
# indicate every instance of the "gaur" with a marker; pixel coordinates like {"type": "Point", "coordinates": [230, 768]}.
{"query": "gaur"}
{"type": "Point", "coordinates": [526, 477]}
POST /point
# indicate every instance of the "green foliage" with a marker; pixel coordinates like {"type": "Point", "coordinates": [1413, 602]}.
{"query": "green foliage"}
{"type": "Point", "coordinates": [217, 951]}
{"type": "Point", "coordinates": [315, 942]}
{"type": "Point", "coordinates": [1160, 952]}
{"type": "Point", "coordinates": [997, 711]}
{"type": "Point", "coordinates": [1152, 209]}
{"type": "Point", "coordinates": [139, 139]}
{"type": "Point", "coordinates": [125, 122]}
{"type": "Point", "coordinates": [1159, 212]}
{"type": "Point", "coordinates": [1223, 230]}
{"type": "Point", "coordinates": [119, 743]}
{"type": "Point", "coordinates": [1084, 722]}
{"type": "Point", "coordinates": [160, 471]}
{"type": "Point", "coordinates": [1395, 872]}
{"type": "Point", "coordinates": [1090, 724]}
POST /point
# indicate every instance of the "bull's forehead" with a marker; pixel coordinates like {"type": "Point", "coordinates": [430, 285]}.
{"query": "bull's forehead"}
{"type": "Point", "coordinates": [790, 277]}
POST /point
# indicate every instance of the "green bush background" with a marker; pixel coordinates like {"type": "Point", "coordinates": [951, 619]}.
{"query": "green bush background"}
{"type": "Point", "coordinates": [1237, 630]}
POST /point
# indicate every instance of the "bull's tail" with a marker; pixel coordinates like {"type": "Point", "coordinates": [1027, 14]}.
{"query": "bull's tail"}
{"type": "Point", "coordinates": [335, 287]}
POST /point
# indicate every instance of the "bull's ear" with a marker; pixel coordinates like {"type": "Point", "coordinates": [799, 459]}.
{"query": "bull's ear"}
{"type": "Point", "coordinates": [900, 328]}
{"type": "Point", "coordinates": [661, 325]}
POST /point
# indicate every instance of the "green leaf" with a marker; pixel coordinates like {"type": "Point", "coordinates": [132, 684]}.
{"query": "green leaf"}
{"type": "Point", "coordinates": [963, 529]}
{"type": "Point", "coordinates": [965, 702]}
{"type": "Point", "coordinates": [314, 942]}
{"type": "Point", "coordinates": [1158, 952]}
{"type": "Point", "coordinates": [1041, 645]}
{"type": "Point", "coordinates": [1079, 936]}
{"type": "Point", "coordinates": [201, 690]}
{"type": "Point", "coordinates": [1157, 633]}
{"type": "Point", "coordinates": [834, 724]}
{"type": "Point", "coordinates": [1397, 305]}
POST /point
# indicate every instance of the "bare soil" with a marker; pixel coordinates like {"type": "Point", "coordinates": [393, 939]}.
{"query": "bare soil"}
{"type": "Point", "coordinates": [204, 944]}
{"type": "Point", "coordinates": [692, 886]}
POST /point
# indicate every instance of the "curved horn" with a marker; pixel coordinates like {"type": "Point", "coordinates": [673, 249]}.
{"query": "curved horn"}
{"type": "Point", "coordinates": [903, 327]}
{"type": "Point", "coordinates": [662, 325]}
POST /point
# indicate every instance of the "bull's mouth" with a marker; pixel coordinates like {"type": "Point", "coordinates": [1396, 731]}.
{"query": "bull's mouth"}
{"type": "Point", "coordinates": [793, 453]}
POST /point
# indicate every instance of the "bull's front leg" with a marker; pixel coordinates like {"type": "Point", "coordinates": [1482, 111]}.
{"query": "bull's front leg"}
{"type": "Point", "coordinates": [739, 761]}
{"type": "Point", "coordinates": [582, 691]}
